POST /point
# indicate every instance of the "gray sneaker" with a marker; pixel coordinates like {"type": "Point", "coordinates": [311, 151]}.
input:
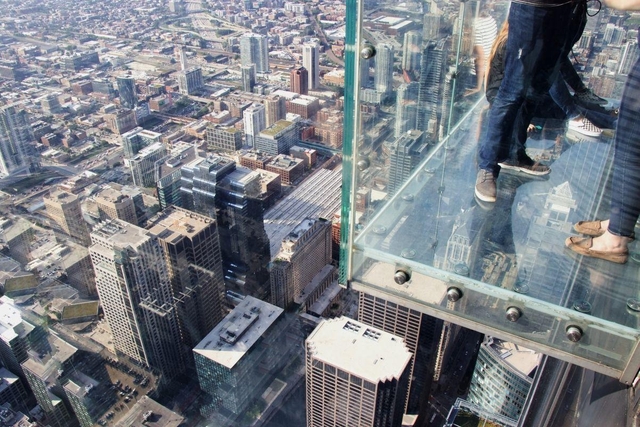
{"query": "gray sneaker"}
{"type": "Point", "coordinates": [486, 186]}
{"type": "Point", "coordinates": [589, 98]}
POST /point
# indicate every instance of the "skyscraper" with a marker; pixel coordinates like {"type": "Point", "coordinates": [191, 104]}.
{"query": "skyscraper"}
{"type": "Point", "coordinates": [134, 286]}
{"type": "Point", "coordinates": [383, 76]}
{"type": "Point", "coordinates": [304, 252]}
{"type": "Point", "coordinates": [215, 187]}
{"type": "Point", "coordinates": [274, 108]}
{"type": "Point", "coordinates": [356, 375]}
{"type": "Point", "coordinates": [628, 56]}
{"type": "Point", "coordinates": [116, 205]}
{"type": "Point", "coordinates": [167, 173]}
{"type": "Point", "coordinates": [17, 149]}
{"type": "Point", "coordinates": [299, 80]}
{"type": "Point", "coordinates": [190, 81]}
{"type": "Point", "coordinates": [255, 120]}
{"type": "Point", "coordinates": [127, 91]}
{"type": "Point", "coordinates": [64, 208]}
{"type": "Point", "coordinates": [142, 165]}
{"type": "Point", "coordinates": [136, 139]}
{"type": "Point", "coordinates": [411, 51]}
{"type": "Point", "coordinates": [192, 254]}
{"type": "Point", "coordinates": [406, 153]}
{"type": "Point", "coordinates": [248, 77]}
{"type": "Point", "coordinates": [310, 61]}
{"type": "Point", "coordinates": [406, 108]}
{"type": "Point", "coordinates": [254, 49]}
{"type": "Point", "coordinates": [431, 69]}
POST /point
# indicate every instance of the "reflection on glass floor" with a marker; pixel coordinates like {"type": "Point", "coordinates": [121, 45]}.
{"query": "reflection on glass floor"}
{"type": "Point", "coordinates": [433, 224]}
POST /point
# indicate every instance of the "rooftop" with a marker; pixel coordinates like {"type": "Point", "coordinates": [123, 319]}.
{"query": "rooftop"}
{"type": "Point", "coordinates": [149, 413]}
{"type": "Point", "coordinates": [172, 224]}
{"type": "Point", "coordinates": [276, 128]}
{"type": "Point", "coordinates": [363, 351]}
{"type": "Point", "coordinates": [232, 338]}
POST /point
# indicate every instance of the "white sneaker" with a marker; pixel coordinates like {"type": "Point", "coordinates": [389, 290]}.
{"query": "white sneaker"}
{"type": "Point", "coordinates": [585, 127]}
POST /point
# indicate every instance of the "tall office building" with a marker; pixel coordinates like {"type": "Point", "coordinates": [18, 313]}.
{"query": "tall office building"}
{"type": "Point", "coordinates": [304, 252]}
{"type": "Point", "coordinates": [311, 61]}
{"type": "Point", "coordinates": [167, 173]}
{"type": "Point", "coordinates": [127, 91]}
{"type": "Point", "coordinates": [215, 187]}
{"type": "Point", "coordinates": [406, 153]}
{"type": "Point", "coordinates": [192, 254]}
{"type": "Point", "coordinates": [299, 80]}
{"type": "Point", "coordinates": [429, 92]}
{"type": "Point", "coordinates": [275, 108]}
{"type": "Point", "coordinates": [51, 104]}
{"type": "Point", "coordinates": [383, 76]}
{"type": "Point", "coordinates": [16, 337]}
{"type": "Point", "coordinates": [226, 138]}
{"type": "Point", "coordinates": [17, 143]}
{"type": "Point", "coordinates": [248, 77]}
{"type": "Point", "coordinates": [255, 120]}
{"type": "Point", "coordinates": [13, 391]}
{"type": "Point", "coordinates": [278, 138]}
{"type": "Point", "coordinates": [356, 375]}
{"type": "Point", "coordinates": [190, 81]}
{"type": "Point", "coordinates": [254, 49]}
{"type": "Point", "coordinates": [135, 292]}
{"type": "Point", "coordinates": [420, 332]}
{"type": "Point", "coordinates": [113, 204]}
{"type": "Point", "coordinates": [136, 139]}
{"type": "Point", "coordinates": [411, 51]}
{"type": "Point", "coordinates": [142, 165]}
{"type": "Point", "coordinates": [502, 377]}
{"type": "Point", "coordinates": [238, 359]}
{"type": "Point", "coordinates": [406, 108]}
{"type": "Point", "coordinates": [64, 208]}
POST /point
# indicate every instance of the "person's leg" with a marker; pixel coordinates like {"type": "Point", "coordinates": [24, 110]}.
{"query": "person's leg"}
{"type": "Point", "coordinates": [561, 96]}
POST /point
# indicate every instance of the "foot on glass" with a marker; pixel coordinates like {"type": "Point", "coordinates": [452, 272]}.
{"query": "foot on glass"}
{"type": "Point", "coordinates": [486, 186]}
{"type": "Point", "coordinates": [530, 168]}
{"type": "Point", "coordinates": [588, 97]}
{"type": "Point", "coordinates": [585, 127]}
{"type": "Point", "coordinates": [590, 228]}
{"type": "Point", "coordinates": [582, 246]}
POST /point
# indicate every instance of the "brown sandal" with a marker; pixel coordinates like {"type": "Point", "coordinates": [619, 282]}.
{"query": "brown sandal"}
{"type": "Point", "coordinates": [590, 228]}
{"type": "Point", "coordinates": [582, 245]}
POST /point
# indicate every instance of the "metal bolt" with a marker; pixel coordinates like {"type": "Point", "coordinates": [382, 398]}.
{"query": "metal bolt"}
{"type": "Point", "coordinates": [368, 52]}
{"type": "Point", "coordinates": [363, 164]}
{"type": "Point", "coordinates": [574, 333]}
{"type": "Point", "coordinates": [454, 294]}
{"type": "Point", "coordinates": [401, 277]}
{"type": "Point", "coordinates": [513, 314]}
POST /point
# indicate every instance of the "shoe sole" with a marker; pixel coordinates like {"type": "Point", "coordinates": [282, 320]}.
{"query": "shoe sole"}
{"type": "Point", "coordinates": [484, 198]}
{"type": "Point", "coordinates": [523, 170]}
{"type": "Point", "coordinates": [581, 132]}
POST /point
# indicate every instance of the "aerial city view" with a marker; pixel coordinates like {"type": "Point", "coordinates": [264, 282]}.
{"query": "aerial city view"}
{"type": "Point", "coordinates": [172, 209]}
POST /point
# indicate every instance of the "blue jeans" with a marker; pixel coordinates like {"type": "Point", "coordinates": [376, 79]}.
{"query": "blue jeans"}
{"type": "Point", "coordinates": [561, 96]}
{"type": "Point", "coordinates": [625, 196]}
{"type": "Point", "coordinates": [537, 37]}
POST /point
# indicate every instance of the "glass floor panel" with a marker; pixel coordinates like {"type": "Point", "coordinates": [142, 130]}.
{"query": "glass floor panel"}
{"type": "Point", "coordinates": [508, 256]}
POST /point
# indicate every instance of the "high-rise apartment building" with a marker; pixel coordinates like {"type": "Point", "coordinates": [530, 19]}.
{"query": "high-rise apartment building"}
{"type": "Point", "coordinates": [215, 187]}
{"type": "Point", "coordinates": [136, 139]}
{"type": "Point", "coordinates": [167, 173]}
{"type": "Point", "coordinates": [190, 81]}
{"type": "Point", "coordinates": [127, 91]}
{"type": "Point", "coordinates": [13, 391]}
{"type": "Point", "coordinates": [299, 80]}
{"type": "Point", "coordinates": [248, 77]}
{"type": "Point", "coordinates": [406, 108]}
{"type": "Point", "coordinates": [51, 104]}
{"type": "Point", "coordinates": [192, 254]}
{"type": "Point", "coordinates": [431, 71]}
{"type": "Point", "coordinates": [406, 153]}
{"type": "Point", "coordinates": [383, 76]}
{"type": "Point", "coordinates": [502, 377]}
{"type": "Point", "coordinates": [311, 61]}
{"type": "Point", "coordinates": [356, 375]}
{"type": "Point", "coordinates": [114, 204]}
{"type": "Point", "coordinates": [254, 49]}
{"type": "Point", "coordinates": [255, 120]}
{"type": "Point", "coordinates": [275, 109]}
{"type": "Point", "coordinates": [278, 138]}
{"type": "Point", "coordinates": [64, 208]}
{"type": "Point", "coordinates": [411, 51]}
{"type": "Point", "coordinates": [304, 252]}
{"type": "Point", "coordinates": [238, 358]}
{"type": "Point", "coordinates": [17, 143]}
{"type": "Point", "coordinates": [628, 56]}
{"type": "Point", "coordinates": [142, 165]}
{"type": "Point", "coordinates": [134, 286]}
